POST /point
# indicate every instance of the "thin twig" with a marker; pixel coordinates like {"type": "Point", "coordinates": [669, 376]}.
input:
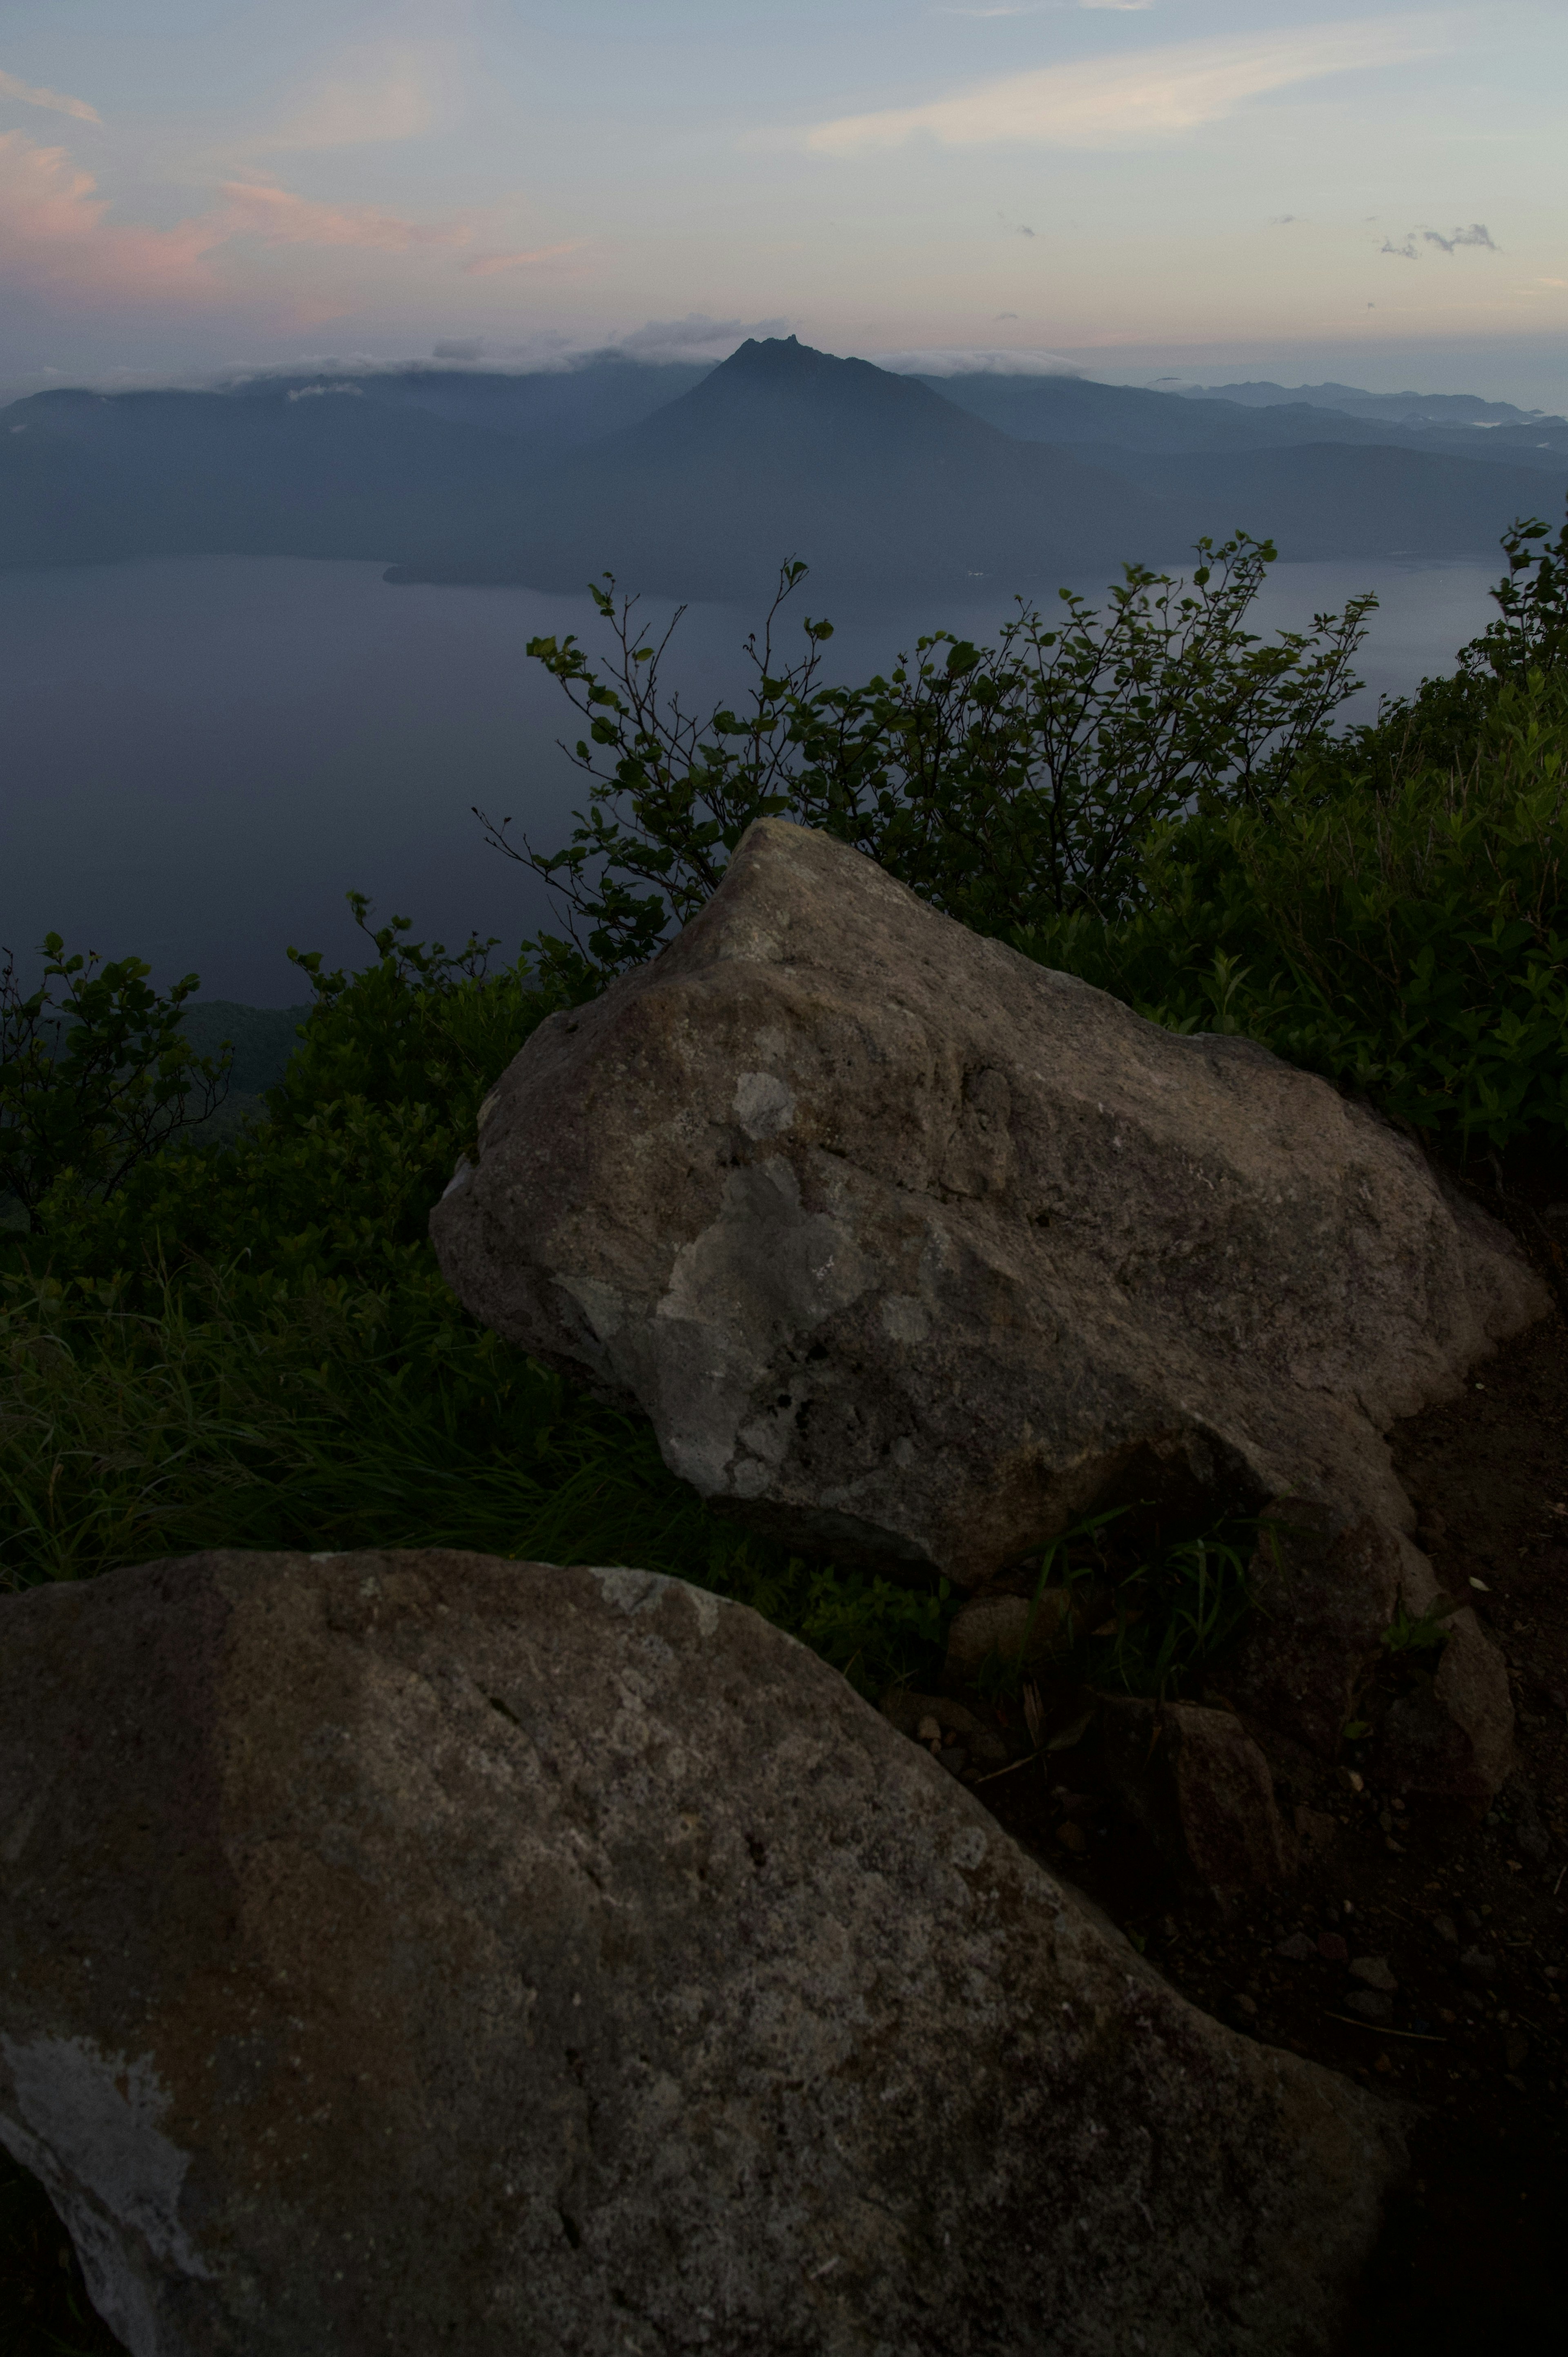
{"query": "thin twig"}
{"type": "Point", "coordinates": [991, 1773]}
{"type": "Point", "coordinates": [1381, 2029]}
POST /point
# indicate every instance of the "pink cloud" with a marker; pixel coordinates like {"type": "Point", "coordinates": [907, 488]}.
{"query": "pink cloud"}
{"type": "Point", "coordinates": [54, 101]}
{"type": "Point", "coordinates": [55, 237]}
{"type": "Point", "coordinates": [58, 238]}
{"type": "Point", "coordinates": [279, 218]}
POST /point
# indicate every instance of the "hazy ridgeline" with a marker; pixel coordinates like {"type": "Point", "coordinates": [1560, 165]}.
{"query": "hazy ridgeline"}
{"type": "Point", "coordinates": [696, 482]}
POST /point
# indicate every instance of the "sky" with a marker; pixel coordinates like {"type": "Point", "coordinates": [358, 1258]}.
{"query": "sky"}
{"type": "Point", "coordinates": [1139, 188]}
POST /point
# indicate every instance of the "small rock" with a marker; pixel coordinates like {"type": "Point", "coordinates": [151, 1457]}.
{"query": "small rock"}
{"type": "Point", "coordinates": [1330, 1944]}
{"type": "Point", "coordinates": [1010, 1629]}
{"type": "Point", "coordinates": [1301, 1948]}
{"type": "Point", "coordinates": [1249, 2005]}
{"type": "Point", "coordinates": [1371, 2004]}
{"type": "Point", "coordinates": [1072, 1837]}
{"type": "Point", "coordinates": [1451, 1736]}
{"type": "Point", "coordinates": [1200, 1788]}
{"type": "Point", "coordinates": [1477, 1965]}
{"type": "Point", "coordinates": [1446, 1928]}
{"type": "Point", "coordinates": [1374, 1970]}
{"type": "Point", "coordinates": [932, 1718]}
{"type": "Point", "coordinates": [1516, 2049]}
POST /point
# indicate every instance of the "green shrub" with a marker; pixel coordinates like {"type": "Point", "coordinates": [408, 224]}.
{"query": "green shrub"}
{"type": "Point", "coordinates": [1007, 784]}
{"type": "Point", "coordinates": [95, 1072]}
{"type": "Point", "coordinates": [1406, 938]}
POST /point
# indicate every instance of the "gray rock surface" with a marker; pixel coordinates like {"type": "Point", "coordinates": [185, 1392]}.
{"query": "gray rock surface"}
{"type": "Point", "coordinates": [912, 1248]}
{"type": "Point", "coordinates": [416, 1951]}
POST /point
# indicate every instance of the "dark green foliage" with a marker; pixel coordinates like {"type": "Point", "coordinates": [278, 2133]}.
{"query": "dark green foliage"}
{"type": "Point", "coordinates": [1149, 798]}
{"type": "Point", "coordinates": [1405, 935]}
{"type": "Point", "coordinates": [95, 1072]}
{"type": "Point", "coordinates": [1152, 1618]}
{"type": "Point", "coordinates": [1427, 1633]}
{"type": "Point", "coordinates": [1009, 785]}
{"type": "Point", "coordinates": [1175, 1615]}
{"type": "Point", "coordinates": [249, 1344]}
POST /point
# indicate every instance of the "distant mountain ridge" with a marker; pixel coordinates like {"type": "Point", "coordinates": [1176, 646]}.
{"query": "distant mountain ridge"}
{"type": "Point", "coordinates": [1077, 411]}
{"type": "Point", "coordinates": [698, 480]}
{"type": "Point", "coordinates": [1439, 408]}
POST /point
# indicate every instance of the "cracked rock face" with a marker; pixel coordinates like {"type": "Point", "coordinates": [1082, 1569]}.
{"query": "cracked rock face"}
{"type": "Point", "coordinates": [416, 1951]}
{"type": "Point", "coordinates": [912, 1249]}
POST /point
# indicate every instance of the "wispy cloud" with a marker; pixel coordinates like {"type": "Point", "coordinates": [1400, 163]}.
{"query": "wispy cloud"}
{"type": "Point", "coordinates": [948, 361]}
{"type": "Point", "coordinates": [278, 217]}
{"type": "Point", "coordinates": [491, 265]}
{"type": "Point", "coordinates": [54, 101]}
{"type": "Point", "coordinates": [1112, 101]}
{"type": "Point", "coordinates": [1408, 248]}
{"type": "Point", "coordinates": [1477, 234]}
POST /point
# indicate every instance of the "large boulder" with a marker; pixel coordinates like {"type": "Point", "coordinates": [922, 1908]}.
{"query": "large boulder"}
{"type": "Point", "coordinates": [405, 1951]}
{"type": "Point", "coordinates": [912, 1248]}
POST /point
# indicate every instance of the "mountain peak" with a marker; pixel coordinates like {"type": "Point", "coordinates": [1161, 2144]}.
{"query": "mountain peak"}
{"type": "Point", "coordinates": [789, 382]}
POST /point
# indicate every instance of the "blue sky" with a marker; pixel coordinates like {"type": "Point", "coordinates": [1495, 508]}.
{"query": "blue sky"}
{"type": "Point", "coordinates": [1202, 188]}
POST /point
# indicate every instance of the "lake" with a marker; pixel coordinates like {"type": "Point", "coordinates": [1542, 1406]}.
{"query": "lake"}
{"type": "Point", "coordinates": [201, 756]}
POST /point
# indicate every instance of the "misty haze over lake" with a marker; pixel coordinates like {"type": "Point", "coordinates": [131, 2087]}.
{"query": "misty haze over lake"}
{"type": "Point", "coordinates": [203, 755]}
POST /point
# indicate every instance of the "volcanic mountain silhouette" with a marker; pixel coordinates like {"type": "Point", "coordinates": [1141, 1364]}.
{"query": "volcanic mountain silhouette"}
{"type": "Point", "coordinates": [699, 482]}
{"type": "Point", "coordinates": [873, 478]}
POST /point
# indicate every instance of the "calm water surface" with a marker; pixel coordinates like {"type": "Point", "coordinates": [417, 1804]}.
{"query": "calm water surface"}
{"type": "Point", "coordinates": [203, 754]}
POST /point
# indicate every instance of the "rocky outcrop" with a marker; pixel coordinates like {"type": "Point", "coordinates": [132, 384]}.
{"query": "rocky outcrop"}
{"type": "Point", "coordinates": [913, 1249]}
{"type": "Point", "coordinates": [403, 1952]}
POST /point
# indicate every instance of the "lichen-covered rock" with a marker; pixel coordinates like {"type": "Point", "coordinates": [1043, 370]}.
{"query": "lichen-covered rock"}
{"type": "Point", "coordinates": [416, 1951]}
{"type": "Point", "coordinates": [912, 1248]}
